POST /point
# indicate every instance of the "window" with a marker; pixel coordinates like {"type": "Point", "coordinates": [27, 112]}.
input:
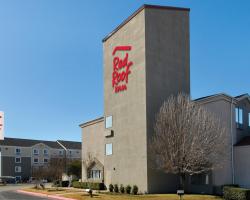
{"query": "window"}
{"type": "Point", "coordinates": [248, 119]}
{"type": "Point", "coordinates": [109, 149]}
{"type": "Point", "coordinates": [45, 152]}
{"type": "Point", "coordinates": [200, 179]}
{"type": "Point", "coordinates": [60, 152]}
{"type": "Point", "coordinates": [94, 174]}
{"type": "Point", "coordinates": [239, 115]}
{"type": "Point", "coordinates": [35, 160]}
{"type": "Point", "coordinates": [17, 160]}
{"type": "Point", "coordinates": [18, 151]}
{"type": "Point", "coordinates": [108, 122]}
{"type": "Point", "coordinates": [18, 169]}
{"type": "Point", "coordinates": [35, 151]}
{"type": "Point", "coordinates": [45, 160]}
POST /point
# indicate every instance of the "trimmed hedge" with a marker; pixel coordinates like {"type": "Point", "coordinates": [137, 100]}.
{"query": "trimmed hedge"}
{"type": "Point", "coordinates": [116, 189]}
{"type": "Point", "coordinates": [111, 187]}
{"type": "Point", "coordinates": [86, 185]}
{"type": "Point", "coordinates": [234, 193]}
{"type": "Point", "coordinates": [135, 189]}
{"type": "Point", "coordinates": [65, 183]}
{"type": "Point", "coordinates": [122, 189]}
{"type": "Point", "coordinates": [128, 189]}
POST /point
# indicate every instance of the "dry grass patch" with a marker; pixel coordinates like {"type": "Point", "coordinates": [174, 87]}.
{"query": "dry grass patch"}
{"type": "Point", "coordinates": [141, 197]}
{"type": "Point", "coordinates": [51, 191]}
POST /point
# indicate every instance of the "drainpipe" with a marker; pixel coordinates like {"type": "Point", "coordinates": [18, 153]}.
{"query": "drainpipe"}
{"type": "Point", "coordinates": [232, 142]}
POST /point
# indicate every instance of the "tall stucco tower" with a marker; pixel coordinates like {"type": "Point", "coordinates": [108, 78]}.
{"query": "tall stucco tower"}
{"type": "Point", "coordinates": [146, 59]}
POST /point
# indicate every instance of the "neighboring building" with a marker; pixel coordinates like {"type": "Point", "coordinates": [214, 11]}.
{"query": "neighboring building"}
{"type": "Point", "coordinates": [20, 156]}
{"type": "Point", "coordinates": [146, 59]}
{"type": "Point", "coordinates": [234, 114]}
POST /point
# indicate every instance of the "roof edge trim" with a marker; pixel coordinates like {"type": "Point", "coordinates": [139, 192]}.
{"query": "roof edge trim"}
{"type": "Point", "coordinates": [137, 12]}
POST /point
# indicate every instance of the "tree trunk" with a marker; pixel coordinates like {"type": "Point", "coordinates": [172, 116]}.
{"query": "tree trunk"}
{"type": "Point", "coordinates": [182, 181]}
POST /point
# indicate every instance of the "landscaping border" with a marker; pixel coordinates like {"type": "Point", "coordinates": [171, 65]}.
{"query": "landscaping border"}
{"type": "Point", "coordinates": [43, 195]}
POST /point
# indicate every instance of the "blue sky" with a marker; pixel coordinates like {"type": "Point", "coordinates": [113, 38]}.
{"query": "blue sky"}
{"type": "Point", "coordinates": [51, 58]}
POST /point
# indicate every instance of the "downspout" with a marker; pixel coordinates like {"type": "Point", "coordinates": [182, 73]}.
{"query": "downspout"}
{"type": "Point", "coordinates": [232, 141]}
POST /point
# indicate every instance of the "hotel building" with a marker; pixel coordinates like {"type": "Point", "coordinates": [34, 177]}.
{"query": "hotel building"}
{"type": "Point", "coordinates": [147, 59]}
{"type": "Point", "coordinates": [20, 156]}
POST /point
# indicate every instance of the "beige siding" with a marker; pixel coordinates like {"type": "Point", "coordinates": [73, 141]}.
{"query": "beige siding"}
{"type": "Point", "coordinates": [128, 164]}
{"type": "Point", "coordinates": [242, 166]}
{"type": "Point", "coordinates": [93, 142]}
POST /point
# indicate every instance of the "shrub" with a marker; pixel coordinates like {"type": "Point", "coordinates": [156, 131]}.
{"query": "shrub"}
{"type": "Point", "coordinates": [122, 189]}
{"type": "Point", "coordinates": [65, 183]}
{"type": "Point", "coordinates": [234, 193]}
{"type": "Point", "coordinates": [128, 189]}
{"type": "Point", "coordinates": [111, 187]}
{"type": "Point", "coordinates": [135, 189]}
{"type": "Point", "coordinates": [86, 185]}
{"type": "Point", "coordinates": [116, 189]}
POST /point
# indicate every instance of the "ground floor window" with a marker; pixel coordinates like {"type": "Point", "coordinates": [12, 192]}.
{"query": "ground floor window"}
{"type": "Point", "coordinates": [200, 179]}
{"type": "Point", "coordinates": [18, 160]}
{"type": "Point", "coordinates": [94, 174]}
{"type": "Point", "coordinates": [18, 169]}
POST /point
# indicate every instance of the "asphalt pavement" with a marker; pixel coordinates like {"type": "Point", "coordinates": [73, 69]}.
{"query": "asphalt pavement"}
{"type": "Point", "coordinates": [13, 195]}
{"type": "Point", "coordinates": [8, 192]}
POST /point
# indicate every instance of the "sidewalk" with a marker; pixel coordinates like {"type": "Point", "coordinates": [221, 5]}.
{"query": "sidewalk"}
{"type": "Point", "coordinates": [44, 195]}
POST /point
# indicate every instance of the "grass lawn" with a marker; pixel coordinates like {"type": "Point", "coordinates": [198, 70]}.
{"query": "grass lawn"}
{"type": "Point", "coordinates": [141, 197]}
{"type": "Point", "coordinates": [79, 195]}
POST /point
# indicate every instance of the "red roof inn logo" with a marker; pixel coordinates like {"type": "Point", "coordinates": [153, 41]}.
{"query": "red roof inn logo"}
{"type": "Point", "coordinates": [121, 68]}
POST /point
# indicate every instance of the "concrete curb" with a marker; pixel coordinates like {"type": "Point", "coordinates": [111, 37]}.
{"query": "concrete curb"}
{"type": "Point", "coordinates": [43, 195]}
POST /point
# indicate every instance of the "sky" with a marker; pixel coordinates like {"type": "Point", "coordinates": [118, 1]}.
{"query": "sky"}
{"type": "Point", "coordinates": [51, 76]}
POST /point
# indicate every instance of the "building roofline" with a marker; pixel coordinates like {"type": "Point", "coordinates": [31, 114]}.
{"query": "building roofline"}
{"type": "Point", "coordinates": [243, 96]}
{"type": "Point", "coordinates": [215, 97]}
{"type": "Point", "coordinates": [91, 122]}
{"type": "Point", "coordinates": [137, 12]}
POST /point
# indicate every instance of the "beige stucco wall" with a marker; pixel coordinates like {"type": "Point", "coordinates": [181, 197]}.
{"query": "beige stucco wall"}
{"type": "Point", "coordinates": [93, 143]}
{"type": "Point", "coordinates": [242, 166]}
{"type": "Point", "coordinates": [128, 164]}
{"type": "Point", "coordinates": [11, 151]}
{"type": "Point", "coordinates": [225, 111]}
{"type": "Point", "coordinates": [167, 73]}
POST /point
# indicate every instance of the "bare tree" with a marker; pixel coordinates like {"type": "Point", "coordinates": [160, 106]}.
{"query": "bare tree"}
{"type": "Point", "coordinates": [39, 173]}
{"type": "Point", "coordinates": [56, 167]}
{"type": "Point", "coordinates": [187, 139]}
{"type": "Point", "coordinates": [87, 161]}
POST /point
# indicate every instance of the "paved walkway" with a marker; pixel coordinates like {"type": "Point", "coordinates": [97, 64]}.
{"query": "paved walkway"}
{"type": "Point", "coordinates": [15, 192]}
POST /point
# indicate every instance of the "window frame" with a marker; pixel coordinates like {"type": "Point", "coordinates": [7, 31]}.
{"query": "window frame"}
{"type": "Point", "coordinates": [34, 160]}
{"type": "Point", "coordinates": [239, 116]}
{"type": "Point", "coordinates": [249, 120]}
{"type": "Point", "coordinates": [35, 153]}
{"type": "Point", "coordinates": [95, 174]}
{"type": "Point", "coordinates": [45, 153]}
{"type": "Point", "coordinates": [60, 152]}
{"type": "Point", "coordinates": [17, 152]}
{"type": "Point", "coordinates": [18, 167]}
{"type": "Point", "coordinates": [109, 122]}
{"type": "Point", "coordinates": [19, 161]}
{"type": "Point", "coordinates": [107, 151]}
{"type": "Point", "coordinates": [45, 159]}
